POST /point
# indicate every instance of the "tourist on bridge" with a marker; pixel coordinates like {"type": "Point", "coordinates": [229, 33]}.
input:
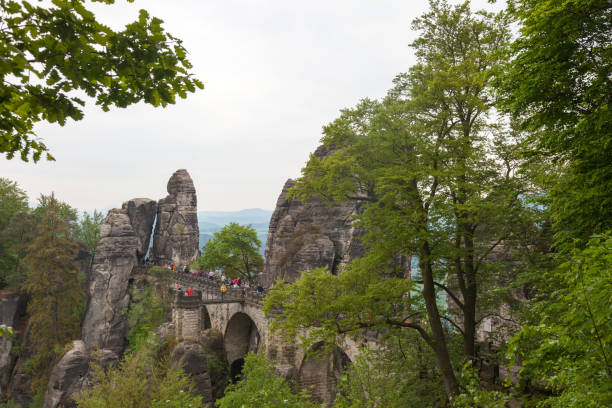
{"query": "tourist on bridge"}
{"type": "Point", "coordinates": [259, 288]}
{"type": "Point", "coordinates": [190, 292]}
{"type": "Point", "coordinates": [211, 275]}
{"type": "Point", "coordinates": [186, 270]}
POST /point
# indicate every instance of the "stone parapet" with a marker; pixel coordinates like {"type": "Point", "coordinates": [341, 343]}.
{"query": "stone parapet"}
{"type": "Point", "coordinates": [183, 301]}
{"type": "Point", "coordinates": [187, 316]}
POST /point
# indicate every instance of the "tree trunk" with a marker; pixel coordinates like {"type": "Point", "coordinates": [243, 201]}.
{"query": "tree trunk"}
{"type": "Point", "coordinates": [469, 296]}
{"type": "Point", "coordinates": [439, 345]}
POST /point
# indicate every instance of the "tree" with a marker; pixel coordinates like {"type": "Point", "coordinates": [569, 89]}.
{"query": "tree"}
{"type": "Point", "coordinates": [235, 251]}
{"type": "Point", "coordinates": [149, 307]}
{"type": "Point", "coordinates": [414, 381]}
{"type": "Point", "coordinates": [14, 201]}
{"type": "Point", "coordinates": [88, 231]}
{"type": "Point", "coordinates": [558, 84]}
{"type": "Point", "coordinates": [568, 339]}
{"type": "Point", "coordinates": [52, 55]}
{"type": "Point", "coordinates": [57, 301]}
{"type": "Point", "coordinates": [16, 238]}
{"type": "Point", "coordinates": [140, 381]}
{"type": "Point", "coordinates": [439, 182]}
{"type": "Point", "coordinates": [261, 387]}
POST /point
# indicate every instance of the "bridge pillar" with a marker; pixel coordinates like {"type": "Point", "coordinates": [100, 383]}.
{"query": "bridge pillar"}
{"type": "Point", "coordinates": [187, 316]}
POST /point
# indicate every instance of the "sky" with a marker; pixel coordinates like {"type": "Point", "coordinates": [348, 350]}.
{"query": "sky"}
{"type": "Point", "coordinates": [274, 71]}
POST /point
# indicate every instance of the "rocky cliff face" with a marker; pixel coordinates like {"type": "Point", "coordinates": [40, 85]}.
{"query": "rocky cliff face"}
{"type": "Point", "coordinates": [116, 254]}
{"type": "Point", "coordinates": [176, 231]}
{"type": "Point", "coordinates": [192, 358]}
{"type": "Point", "coordinates": [303, 236]}
{"type": "Point", "coordinates": [105, 324]}
{"type": "Point", "coordinates": [124, 239]}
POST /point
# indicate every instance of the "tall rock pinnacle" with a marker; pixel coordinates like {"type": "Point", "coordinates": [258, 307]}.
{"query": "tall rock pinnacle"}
{"type": "Point", "coordinates": [176, 230]}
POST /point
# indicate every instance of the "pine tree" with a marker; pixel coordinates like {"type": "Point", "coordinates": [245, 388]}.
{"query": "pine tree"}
{"type": "Point", "coordinates": [56, 299]}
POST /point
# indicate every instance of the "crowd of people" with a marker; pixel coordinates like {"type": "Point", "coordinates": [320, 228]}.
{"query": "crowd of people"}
{"type": "Point", "coordinates": [210, 275]}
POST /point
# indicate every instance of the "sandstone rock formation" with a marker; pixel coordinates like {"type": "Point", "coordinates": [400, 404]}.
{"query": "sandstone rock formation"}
{"type": "Point", "coordinates": [124, 241]}
{"type": "Point", "coordinates": [304, 236]}
{"type": "Point", "coordinates": [105, 325]}
{"type": "Point", "coordinates": [73, 373]}
{"type": "Point", "coordinates": [191, 357]}
{"type": "Point", "coordinates": [142, 212]}
{"type": "Point", "coordinates": [176, 230]}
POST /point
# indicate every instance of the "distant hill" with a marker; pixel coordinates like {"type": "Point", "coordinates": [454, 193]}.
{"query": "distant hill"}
{"type": "Point", "coordinates": [210, 222]}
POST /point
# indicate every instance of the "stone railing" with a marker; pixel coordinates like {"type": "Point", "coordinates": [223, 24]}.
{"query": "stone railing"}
{"type": "Point", "coordinates": [211, 289]}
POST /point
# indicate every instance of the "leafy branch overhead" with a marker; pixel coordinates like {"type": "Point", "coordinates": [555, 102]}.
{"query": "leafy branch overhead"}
{"type": "Point", "coordinates": [50, 55]}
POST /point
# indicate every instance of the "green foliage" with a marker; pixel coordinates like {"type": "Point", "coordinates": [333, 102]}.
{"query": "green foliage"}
{"type": "Point", "coordinates": [9, 404]}
{"type": "Point", "coordinates": [261, 387]}
{"type": "Point", "coordinates": [53, 54]}
{"type": "Point", "coordinates": [6, 330]}
{"type": "Point", "coordinates": [331, 305]}
{"type": "Point", "coordinates": [57, 302]}
{"type": "Point", "coordinates": [140, 381]}
{"type": "Point", "coordinates": [558, 83]}
{"type": "Point", "coordinates": [13, 215]}
{"type": "Point", "coordinates": [569, 343]}
{"type": "Point", "coordinates": [219, 372]}
{"type": "Point", "coordinates": [13, 199]}
{"type": "Point", "coordinates": [38, 401]}
{"type": "Point", "coordinates": [400, 374]}
{"type": "Point", "coordinates": [88, 231]}
{"type": "Point", "coordinates": [436, 179]}
{"type": "Point", "coordinates": [148, 309]}
{"type": "Point", "coordinates": [234, 250]}
{"type": "Point", "coordinates": [473, 394]}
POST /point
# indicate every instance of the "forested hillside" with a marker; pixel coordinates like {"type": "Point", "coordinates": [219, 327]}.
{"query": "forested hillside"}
{"type": "Point", "coordinates": [479, 189]}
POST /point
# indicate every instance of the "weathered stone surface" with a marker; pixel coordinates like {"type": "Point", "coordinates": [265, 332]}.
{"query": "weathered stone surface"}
{"type": "Point", "coordinates": [191, 357]}
{"type": "Point", "coordinates": [67, 376]}
{"type": "Point", "coordinates": [304, 236]}
{"type": "Point", "coordinates": [142, 213]}
{"type": "Point", "coordinates": [176, 230]}
{"type": "Point", "coordinates": [73, 373]}
{"type": "Point", "coordinates": [105, 325]}
{"type": "Point", "coordinates": [8, 316]}
{"type": "Point", "coordinates": [19, 389]}
{"type": "Point", "coordinates": [124, 240]}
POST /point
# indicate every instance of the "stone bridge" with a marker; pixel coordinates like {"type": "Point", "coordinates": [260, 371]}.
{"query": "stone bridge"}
{"type": "Point", "coordinates": [237, 314]}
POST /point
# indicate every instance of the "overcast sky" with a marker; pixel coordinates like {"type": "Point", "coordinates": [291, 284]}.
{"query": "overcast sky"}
{"type": "Point", "coordinates": [275, 72]}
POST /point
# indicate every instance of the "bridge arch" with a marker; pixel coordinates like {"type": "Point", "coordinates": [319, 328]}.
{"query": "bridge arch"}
{"type": "Point", "coordinates": [241, 337]}
{"type": "Point", "coordinates": [320, 372]}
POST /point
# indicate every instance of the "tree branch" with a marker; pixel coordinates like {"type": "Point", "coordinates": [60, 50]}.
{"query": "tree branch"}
{"type": "Point", "coordinates": [453, 323]}
{"type": "Point", "coordinates": [488, 252]}
{"type": "Point", "coordinates": [447, 290]}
